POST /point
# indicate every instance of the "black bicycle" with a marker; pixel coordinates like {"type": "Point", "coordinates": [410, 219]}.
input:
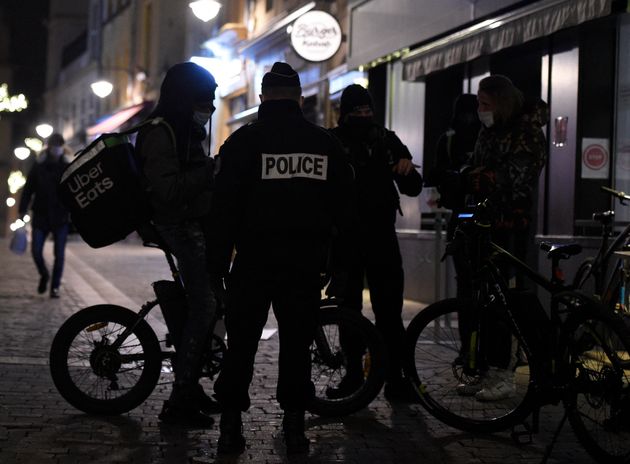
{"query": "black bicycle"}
{"type": "Point", "coordinates": [487, 363]}
{"type": "Point", "coordinates": [106, 359]}
{"type": "Point", "coordinates": [595, 273]}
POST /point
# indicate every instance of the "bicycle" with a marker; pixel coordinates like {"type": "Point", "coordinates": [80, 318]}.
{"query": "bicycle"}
{"type": "Point", "coordinates": [106, 359]}
{"type": "Point", "coordinates": [594, 272]}
{"type": "Point", "coordinates": [577, 355]}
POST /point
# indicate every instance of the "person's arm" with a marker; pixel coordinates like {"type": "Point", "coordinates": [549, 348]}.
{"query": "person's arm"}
{"type": "Point", "coordinates": [408, 180]}
{"type": "Point", "coordinates": [27, 192]}
{"type": "Point", "coordinates": [168, 181]}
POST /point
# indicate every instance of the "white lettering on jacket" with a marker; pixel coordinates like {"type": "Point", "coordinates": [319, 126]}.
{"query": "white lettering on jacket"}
{"type": "Point", "coordinates": [290, 165]}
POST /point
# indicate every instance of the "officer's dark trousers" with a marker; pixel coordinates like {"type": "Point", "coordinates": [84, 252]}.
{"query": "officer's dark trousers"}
{"type": "Point", "coordinates": [379, 261]}
{"type": "Point", "coordinates": [294, 297]}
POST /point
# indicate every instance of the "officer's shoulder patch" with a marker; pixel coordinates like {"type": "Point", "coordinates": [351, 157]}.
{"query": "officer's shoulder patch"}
{"type": "Point", "coordinates": [276, 166]}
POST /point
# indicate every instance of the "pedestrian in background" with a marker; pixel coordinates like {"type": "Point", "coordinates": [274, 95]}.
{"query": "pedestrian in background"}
{"type": "Point", "coordinates": [180, 177]}
{"type": "Point", "coordinates": [49, 216]}
{"type": "Point", "coordinates": [381, 163]}
{"type": "Point", "coordinates": [509, 156]}
{"type": "Point", "coordinates": [282, 188]}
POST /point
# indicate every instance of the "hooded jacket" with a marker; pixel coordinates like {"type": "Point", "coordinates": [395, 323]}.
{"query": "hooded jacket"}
{"type": "Point", "coordinates": [511, 158]}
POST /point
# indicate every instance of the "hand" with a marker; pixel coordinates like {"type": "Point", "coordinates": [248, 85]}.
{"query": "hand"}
{"type": "Point", "coordinates": [403, 167]}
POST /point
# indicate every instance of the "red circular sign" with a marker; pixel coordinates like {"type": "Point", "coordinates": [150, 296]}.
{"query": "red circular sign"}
{"type": "Point", "coordinates": [595, 157]}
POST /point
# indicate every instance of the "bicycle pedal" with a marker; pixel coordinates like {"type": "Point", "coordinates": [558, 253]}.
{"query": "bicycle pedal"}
{"type": "Point", "coordinates": [522, 434]}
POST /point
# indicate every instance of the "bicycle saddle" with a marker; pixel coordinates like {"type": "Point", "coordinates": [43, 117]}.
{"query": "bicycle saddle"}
{"type": "Point", "coordinates": [561, 250]}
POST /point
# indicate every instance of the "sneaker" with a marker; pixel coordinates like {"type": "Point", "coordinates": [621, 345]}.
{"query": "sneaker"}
{"type": "Point", "coordinates": [43, 284]}
{"type": "Point", "coordinates": [184, 417]}
{"type": "Point", "coordinates": [470, 386]}
{"type": "Point", "coordinates": [54, 293]}
{"type": "Point", "coordinates": [500, 386]}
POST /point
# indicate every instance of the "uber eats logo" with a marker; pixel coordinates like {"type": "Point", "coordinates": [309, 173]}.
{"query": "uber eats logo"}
{"type": "Point", "coordinates": [290, 165]}
{"type": "Point", "coordinates": [88, 184]}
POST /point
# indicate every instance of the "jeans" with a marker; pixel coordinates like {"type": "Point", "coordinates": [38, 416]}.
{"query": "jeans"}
{"type": "Point", "coordinates": [187, 243]}
{"type": "Point", "coordinates": [38, 238]}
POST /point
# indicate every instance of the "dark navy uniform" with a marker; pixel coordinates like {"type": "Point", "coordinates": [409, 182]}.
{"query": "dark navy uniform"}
{"type": "Point", "coordinates": [283, 187]}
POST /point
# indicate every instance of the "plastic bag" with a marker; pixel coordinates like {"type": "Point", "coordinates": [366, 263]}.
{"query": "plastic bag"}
{"type": "Point", "coordinates": [19, 241]}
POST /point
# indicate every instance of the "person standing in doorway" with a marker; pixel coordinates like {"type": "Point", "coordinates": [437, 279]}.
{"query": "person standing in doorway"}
{"type": "Point", "coordinates": [49, 215]}
{"type": "Point", "coordinates": [381, 163]}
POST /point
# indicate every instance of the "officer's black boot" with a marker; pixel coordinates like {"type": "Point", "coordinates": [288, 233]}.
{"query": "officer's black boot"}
{"type": "Point", "coordinates": [231, 439]}
{"type": "Point", "coordinates": [293, 427]}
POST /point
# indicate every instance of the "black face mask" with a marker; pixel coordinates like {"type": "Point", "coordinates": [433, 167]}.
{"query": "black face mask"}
{"type": "Point", "coordinates": [359, 122]}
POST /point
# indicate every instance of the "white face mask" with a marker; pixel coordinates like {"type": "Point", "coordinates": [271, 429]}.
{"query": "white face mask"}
{"type": "Point", "coordinates": [486, 118]}
{"type": "Point", "coordinates": [56, 151]}
{"type": "Point", "coordinates": [201, 117]}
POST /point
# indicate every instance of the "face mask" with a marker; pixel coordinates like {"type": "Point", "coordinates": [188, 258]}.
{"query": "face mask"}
{"type": "Point", "coordinates": [201, 118]}
{"type": "Point", "coordinates": [359, 122]}
{"type": "Point", "coordinates": [486, 118]}
{"type": "Point", "coordinates": [56, 151]}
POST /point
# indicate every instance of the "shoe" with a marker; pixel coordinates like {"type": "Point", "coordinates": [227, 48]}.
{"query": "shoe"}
{"type": "Point", "coordinates": [499, 386]}
{"type": "Point", "coordinates": [184, 417]}
{"type": "Point", "coordinates": [401, 390]}
{"type": "Point", "coordinates": [54, 293]}
{"type": "Point", "coordinates": [347, 386]}
{"type": "Point", "coordinates": [293, 428]}
{"type": "Point", "coordinates": [205, 403]}
{"type": "Point", "coordinates": [43, 284]}
{"type": "Point", "coordinates": [470, 386]}
{"type": "Point", "coordinates": [231, 439]}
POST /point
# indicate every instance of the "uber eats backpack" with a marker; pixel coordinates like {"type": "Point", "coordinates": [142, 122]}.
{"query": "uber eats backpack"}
{"type": "Point", "coordinates": [104, 189]}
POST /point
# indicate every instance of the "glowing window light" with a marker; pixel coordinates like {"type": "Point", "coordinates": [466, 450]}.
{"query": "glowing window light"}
{"type": "Point", "coordinates": [34, 144]}
{"type": "Point", "coordinates": [16, 181]}
{"type": "Point", "coordinates": [17, 224]}
{"type": "Point", "coordinates": [44, 130]}
{"type": "Point", "coordinates": [22, 153]}
{"type": "Point", "coordinates": [10, 202]}
{"type": "Point", "coordinates": [26, 218]}
{"type": "Point", "coordinates": [205, 9]}
{"type": "Point", "coordinates": [11, 103]}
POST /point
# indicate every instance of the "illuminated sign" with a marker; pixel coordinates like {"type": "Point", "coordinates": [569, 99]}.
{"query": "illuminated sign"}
{"type": "Point", "coordinates": [11, 103]}
{"type": "Point", "coordinates": [316, 36]}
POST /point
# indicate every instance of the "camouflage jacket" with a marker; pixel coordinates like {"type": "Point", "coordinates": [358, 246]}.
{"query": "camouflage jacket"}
{"type": "Point", "coordinates": [511, 159]}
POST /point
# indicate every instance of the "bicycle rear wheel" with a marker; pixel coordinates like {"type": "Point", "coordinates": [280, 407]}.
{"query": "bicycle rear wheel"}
{"type": "Point", "coordinates": [599, 398]}
{"type": "Point", "coordinates": [329, 362]}
{"type": "Point", "coordinates": [96, 377]}
{"type": "Point", "coordinates": [441, 372]}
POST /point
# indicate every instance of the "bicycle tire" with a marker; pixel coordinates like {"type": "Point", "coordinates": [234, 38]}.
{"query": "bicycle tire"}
{"type": "Point", "coordinates": [95, 378]}
{"type": "Point", "coordinates": [433, 351]}
{"type": "Point", "coordinates": [598, 403]}
{"type": "Point", "coordinates": [328, 370]}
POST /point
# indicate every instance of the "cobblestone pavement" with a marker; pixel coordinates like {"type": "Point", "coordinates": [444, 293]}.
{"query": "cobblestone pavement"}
{"type": "Point", "coordinates": [38, 427]}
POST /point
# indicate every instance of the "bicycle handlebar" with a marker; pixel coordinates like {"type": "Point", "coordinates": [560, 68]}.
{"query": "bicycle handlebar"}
{"type": "Point", "coordinates": [622, 196]}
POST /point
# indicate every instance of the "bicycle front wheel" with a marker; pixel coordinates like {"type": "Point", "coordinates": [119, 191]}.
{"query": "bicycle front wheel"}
{"type": "Point", "coordinates": [92, 373]}
{"type": "Point", "coordinates": [329, 362]}
{"type": "Point", "coordinates": [450, 377]}
{"type": "Point", "coordinates": [599, 395]}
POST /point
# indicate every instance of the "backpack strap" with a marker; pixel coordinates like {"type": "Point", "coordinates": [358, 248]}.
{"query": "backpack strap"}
{"type": "Point", "coordinates": [152, 122]}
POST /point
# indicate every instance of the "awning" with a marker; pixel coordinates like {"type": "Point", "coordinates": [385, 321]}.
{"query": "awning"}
{"type": "Point", "coordinates": [120, 120]}
{"type": "Point", "coordinates": [514, 28]}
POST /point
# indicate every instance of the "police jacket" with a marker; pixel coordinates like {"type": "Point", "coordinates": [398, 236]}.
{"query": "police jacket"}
{"type": "Point", "coordinates": [179, 184]}
{"type": "Point", "coordinates": [42, 182]}
{"type": "Point", "coordinates": [282, 188]}
{"type": "Point", "coordinates": [373, 153]}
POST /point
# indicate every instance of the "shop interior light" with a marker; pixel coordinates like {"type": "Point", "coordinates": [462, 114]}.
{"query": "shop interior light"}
{"type": "Point", "coordinates": [34, 144]}
{"type": "Point", "coordinates": [44, 130]}
{"type": "Point", "coordinates": [26, 218]}
{"type": "Point", "coordinates": [102, 88]}
{"type": "Point", "coordinates": [10, 202]}
{"type": "Point", "coordinates": [205, 9]}
{"type": "Point", "coordinates": [16, 181]}
{"type": "Point", "coordinates": [22, 153]}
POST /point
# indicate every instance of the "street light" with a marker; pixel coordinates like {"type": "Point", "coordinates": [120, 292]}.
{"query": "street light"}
{"type": "Point", "coordinates": [44, 130]}
{"type": "Point", "coordinates": [205, 9]}
{"type": "Point", "coordinates": [102, 88]}
{"type": "Point", "coordinates": [34, 144]}
{"type": "Point", "coordinates": [21, 153]}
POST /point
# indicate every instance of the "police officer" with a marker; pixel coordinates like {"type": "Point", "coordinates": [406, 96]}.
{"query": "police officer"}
{"type": "Point", "coordinates": [282, 188]}
{"type": "Point", "coordinates": [381, 162]}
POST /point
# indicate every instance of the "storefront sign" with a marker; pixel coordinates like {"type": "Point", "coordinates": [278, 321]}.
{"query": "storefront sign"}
{"type": "Point", "coordinates": [595, 158]}
{"type": "Point", "coordinates": [316, 36]}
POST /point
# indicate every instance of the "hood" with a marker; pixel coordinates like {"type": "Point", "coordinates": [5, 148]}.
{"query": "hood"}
{"type": "Point", "coordinates": [536, 111]}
